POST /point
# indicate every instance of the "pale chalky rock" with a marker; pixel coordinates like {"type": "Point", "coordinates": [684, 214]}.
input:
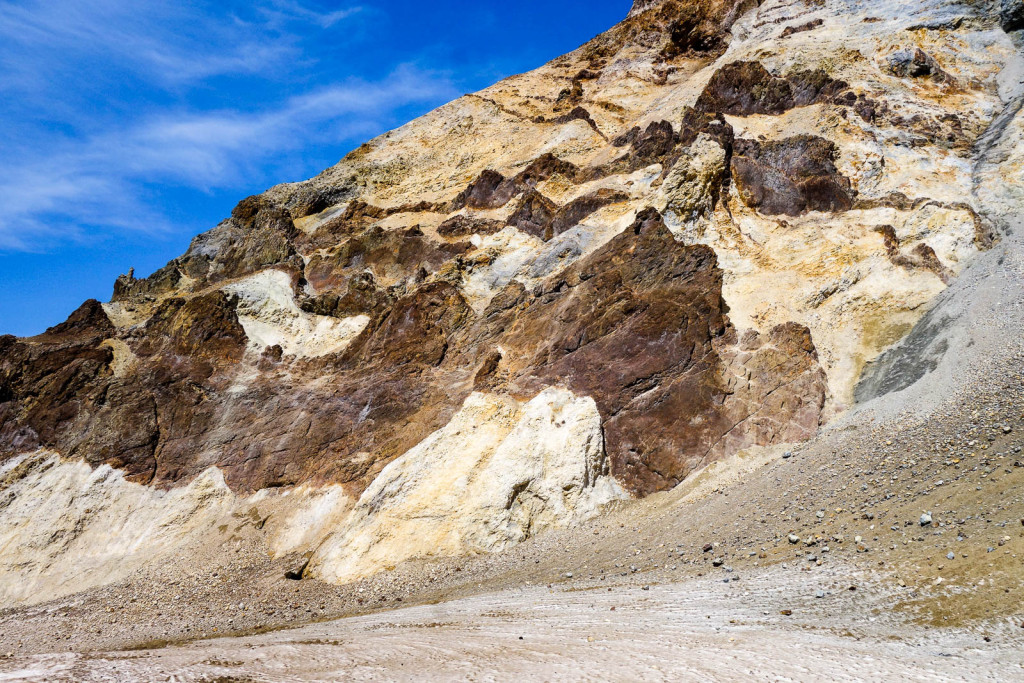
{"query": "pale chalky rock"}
{"type": "Point", "coordinates": [496, 474]}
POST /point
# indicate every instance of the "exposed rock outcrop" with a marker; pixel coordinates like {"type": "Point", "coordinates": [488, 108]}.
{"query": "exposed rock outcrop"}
{"type": "Point", "coordinates": [493, 476]}
{"type": "Point", "coordinates": [790, 176]}
{"type": "Point", "coordinates": [745, 88]}
{"type": "Point", "coordinates": [1011, 15]}
{"type": "Point", "coordinates": [685, 239]}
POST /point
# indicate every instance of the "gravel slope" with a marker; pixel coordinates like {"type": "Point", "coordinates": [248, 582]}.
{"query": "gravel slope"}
{"type": "Point", "coordinates": [698, 630]}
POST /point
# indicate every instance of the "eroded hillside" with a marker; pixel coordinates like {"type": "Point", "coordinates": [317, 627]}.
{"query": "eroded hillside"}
{"type": "Point", "coordinates": [685, 239]}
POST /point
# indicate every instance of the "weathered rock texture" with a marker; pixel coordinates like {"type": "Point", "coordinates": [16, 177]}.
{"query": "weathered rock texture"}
{"type": "Point", "coordinates": [494, 475]}
{"type": "Point", "coordinates": [702, 224]}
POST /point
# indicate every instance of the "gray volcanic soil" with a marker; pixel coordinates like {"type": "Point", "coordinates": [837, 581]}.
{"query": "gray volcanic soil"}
{"type": "Point", "coordinates": [698, 630]}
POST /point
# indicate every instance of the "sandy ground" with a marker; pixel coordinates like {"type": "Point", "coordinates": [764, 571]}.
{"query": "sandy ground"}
{"type": "Point", "coordinates": [702, 629]}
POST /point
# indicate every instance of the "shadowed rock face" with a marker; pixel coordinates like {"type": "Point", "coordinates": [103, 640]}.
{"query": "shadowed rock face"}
{"type": "Point", "coordinates": [1011, 15]}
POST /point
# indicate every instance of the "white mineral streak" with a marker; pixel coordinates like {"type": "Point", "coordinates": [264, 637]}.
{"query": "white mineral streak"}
{"type": "Point", "coordinates": [269, 316]}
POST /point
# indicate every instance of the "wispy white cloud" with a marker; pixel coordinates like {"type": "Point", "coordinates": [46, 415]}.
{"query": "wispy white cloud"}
{"type": "Point", "coordinates": [175, 42]}
{"type": "Point", "coordinates": [284, 10]}
{"type": "Point", "coordinates": [97, 182]}
{"type": "Point", "coordinates": [106, 103]}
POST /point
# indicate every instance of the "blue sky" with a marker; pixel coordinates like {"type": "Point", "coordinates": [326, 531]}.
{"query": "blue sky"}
{"type": "Point", "coordinates": [127, 127]}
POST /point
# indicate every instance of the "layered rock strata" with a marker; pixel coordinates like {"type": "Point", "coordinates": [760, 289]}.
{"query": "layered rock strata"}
{"type": "Point", "coordinates": [695, 230]}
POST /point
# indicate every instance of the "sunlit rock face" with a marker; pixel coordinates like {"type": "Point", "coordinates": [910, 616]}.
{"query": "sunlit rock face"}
{"type": "Point", "coordinates": [496, 474]}
{"type": "Point", "coordinates": [686, 238]}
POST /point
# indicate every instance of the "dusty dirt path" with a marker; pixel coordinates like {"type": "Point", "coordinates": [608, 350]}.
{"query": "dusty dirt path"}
{"type": "Point", "coordinates": [702, 629]}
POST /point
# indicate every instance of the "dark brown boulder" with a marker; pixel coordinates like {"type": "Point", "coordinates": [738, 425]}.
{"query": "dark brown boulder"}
{"type": "Point", "coordinates": [534, 215]}
{"type": "Point", "coordinates": [415, 331]}
{"type": "Point", "coordinates": [545, 167]}
{"type": "Point", "coordinates": [746, 88]}
{"type": "Point", "coordinates": [259, 234]}
{"type": "Point", "coordinates": [801, 28]}
{"type": "Point", "coordinates": [790, 176]}
{"type": "Point", "coordinates": [491, 190]}
{"type": "Point", "coordinates": [692, 34]}
{"type": "Point", "coordinates": [58, 390]}
{"type": "Point", "coordinates": [577, 114]}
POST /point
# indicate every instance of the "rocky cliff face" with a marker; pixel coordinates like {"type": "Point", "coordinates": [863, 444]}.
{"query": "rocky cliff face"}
{"type": "Point", "coordinates": [684, 239]}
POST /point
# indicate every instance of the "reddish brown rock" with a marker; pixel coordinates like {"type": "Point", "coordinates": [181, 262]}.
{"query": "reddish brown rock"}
{"type": "Point", "coordinates": [577, 114]}
{"type": "Point", "coordinates": [661, 143]}
{"type": "Point", "coordinates": [491, 190]}
{"type": "Point", "coordinates": [203, 327]}
{"type": "Point", "coordinates": [58, 390]}
{"type": "Point", "coordinates": [923, 256]}
{"type": "Point", "coordinates": [534, 215]}
{"type": "Point", "coordinates": [389, 254]}
{"type": "Point", "coordinates": [639, 326]}
{"type": "Point", "coordinates": [692, 29]}
{"type": "Point", "coordinates": [790, 176]}
{"type": "Point", "coordinates": [464, 226]}
{"type": "Point", "coordinates": [801, 28]}
{"type": "Point", "coordinates": [547, 166]}
{"type": "Point", "coordinates": [361, 294]}
{"type": "Point", "coordinates": [570, 215]}
{"type": "Point", "coordinates": [746, 88]}
{"type": "Point", "coordinates": [539, 216]}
